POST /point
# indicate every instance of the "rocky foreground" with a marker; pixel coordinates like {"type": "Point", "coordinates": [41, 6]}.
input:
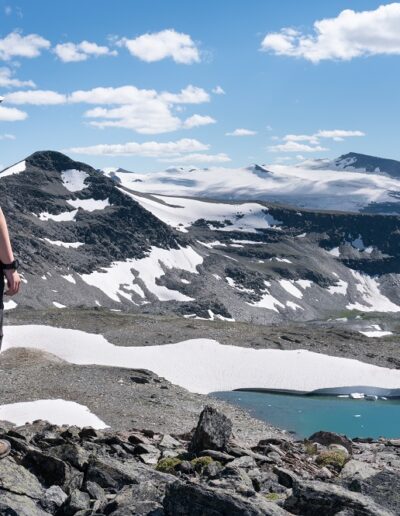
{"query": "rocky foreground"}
{"type": "Point", "coordinates": [72, 471]}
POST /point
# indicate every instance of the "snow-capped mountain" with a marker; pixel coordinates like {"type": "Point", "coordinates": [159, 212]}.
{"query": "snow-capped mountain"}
{"type": "Point", "coordinates": [93, 238]}
{"type": "Point", "coordinates": [353, 182]}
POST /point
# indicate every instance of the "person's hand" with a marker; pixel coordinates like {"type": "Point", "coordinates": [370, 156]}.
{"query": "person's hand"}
{"type": "Point", "coordinates": [13, 282]}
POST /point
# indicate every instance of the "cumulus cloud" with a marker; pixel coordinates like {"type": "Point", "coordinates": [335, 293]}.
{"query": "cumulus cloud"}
{"type": "Point", "coordinates": [36, 97]}
{"type": "Point", "coordinates": [16, 45]}
{"type": "Point", "coordinates": [198, 120]}
{"type": "Point", "coordinates": [292, 146]}
{"type": "Point", "coordinates": [11, 114]}
{"type": "Point", "coordinates": [189, 95]}
{"type": "Point", "coordinates": [140, 110]}
{"type": "Point", "coordinates": [73, 52]}
{"type": "Point", "coordinates": [198, 158]}
{"type": "Point", "coordinates": [8, 81]}
{"type": "Point", "coordinates": [218, 90]}
{"type": "Point", "coordinates": [150, 149]}
{"type": "Point", "coordinates": [351, 34]}
{"type": "Point", "coordinates": [338, 134]}
{"type": "Point", "coordinates": [241, 132]}
{"type": "Point", "coordinates": [161, 45]}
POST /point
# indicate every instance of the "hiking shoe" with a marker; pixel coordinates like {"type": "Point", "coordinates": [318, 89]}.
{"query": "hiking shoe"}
{"type": "Point", "coordinates": [5, 448]}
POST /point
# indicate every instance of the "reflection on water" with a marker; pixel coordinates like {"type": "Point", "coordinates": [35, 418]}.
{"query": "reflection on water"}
{"type": "Point", "coordinates": [305, 415]}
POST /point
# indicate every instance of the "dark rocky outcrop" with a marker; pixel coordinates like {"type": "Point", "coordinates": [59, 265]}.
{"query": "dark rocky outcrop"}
{"type": "Point", "coordinates": [68, 471]}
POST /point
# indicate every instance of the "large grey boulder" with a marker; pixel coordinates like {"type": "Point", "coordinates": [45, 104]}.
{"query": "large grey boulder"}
{"type": "Point", "coordinates": [318, 498]}
{"type": "Point", "coordinates": [328, 438]}
{"type": "Point", "coordinates": [212, 432]}
{"type": "Point", "coordinates": [197, 500]}
{"type": "Point", "coordinates": [12, 504]}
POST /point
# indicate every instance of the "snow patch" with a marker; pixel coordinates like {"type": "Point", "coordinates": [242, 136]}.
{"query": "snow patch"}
{"type": "Point", "coordinates": [204, 365]}
{"type": "Point", "coordinates": [61, 217]}
{"type": "Point", "coordinates": [57, 412]}
{"type": "Point", "coordinates": [14, 169]}
{"type": "Point", "coordinates": [74, 180]}
{"type": "Point", "coordinates": [374, 300]}
{"type": "Point", "coordinates": [120, 277]}
{"type": "Point", "coordinates": [89, 204]}
{"type": "Point", "coordinates": [74, 245]}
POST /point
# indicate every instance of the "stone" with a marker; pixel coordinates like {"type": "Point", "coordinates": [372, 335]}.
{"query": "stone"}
{"type": "Point", "coordinates": [77, 501]}
{"type": "Point", "coordinates": [327, 438]}
{"type": "Point", "coordinates": [217, 455]}
{"type": "Point", "coordinates": [314, 498]}
{"type": "Point", "coordinates": [19, 480]}
{"type": "Point", "coordinates": [339, 447]}
{"type": "Point", "coordinates": [384, 489]}
{"type": "Point", "coordinates": [47, 468]}
{"type": "Point", "coordinates": [183, 499]}
{"type": "Point", "coordinates": [285, 477]}
{"type": "Point", "coordinates": [146, 495]}
{"type": "Point", "coordinates": [244, 462]}
{"type": "Point", "coordinates": [169, 442]}
{"type": "Point", "coordinates": [12, 504]}
{"type": "Point", "coordinates": [53, 499]}
{"type": "Point", "coordinates": [212, 432]}
{"type": "Point", "coordinates": [357, 469]}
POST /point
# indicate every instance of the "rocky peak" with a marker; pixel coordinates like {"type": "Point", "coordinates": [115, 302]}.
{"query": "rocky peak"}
{"type": "Point", "coordinates": [51, 160]}
{"type": "Point", "coordinates": [354, 160]}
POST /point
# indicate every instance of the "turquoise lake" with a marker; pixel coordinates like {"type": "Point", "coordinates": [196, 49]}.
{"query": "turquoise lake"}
{"type": "Point", "coordinates": [304, 415]}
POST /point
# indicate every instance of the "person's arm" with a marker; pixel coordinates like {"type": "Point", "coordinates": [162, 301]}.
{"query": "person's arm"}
{"type": "Point", "coordinates": [6, 257]}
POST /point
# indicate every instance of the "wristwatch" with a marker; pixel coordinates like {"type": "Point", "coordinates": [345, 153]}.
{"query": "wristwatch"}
{"type": "Point", "coordinates": [10, 266]}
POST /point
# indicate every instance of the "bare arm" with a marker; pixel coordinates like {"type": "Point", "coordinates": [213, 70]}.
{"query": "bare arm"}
{"type": "Point", "coordinates": [7, 256]}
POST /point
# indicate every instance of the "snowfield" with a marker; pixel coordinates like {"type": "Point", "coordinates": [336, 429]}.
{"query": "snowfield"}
{"type": "Point", "coordinates": [303, 185]}
{"type": "Point", "coordinates": [14, 169]}
{"type": "Point", "coordinates": [204, 365]}
{"type": "Point", "coordinates": [180, 213]}
{"type": "Point", "coordinates": [120, 279]}
{"type": "Point", "coordinates": [57, 412]}
{"type": "Point", "coordinates": [89, 204]}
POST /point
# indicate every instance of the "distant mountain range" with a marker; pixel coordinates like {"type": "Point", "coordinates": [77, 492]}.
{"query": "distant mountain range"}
{"type": "Point", "coordinates": [353, 182]}
{"type": "Point", "coordinates": [204, 242]}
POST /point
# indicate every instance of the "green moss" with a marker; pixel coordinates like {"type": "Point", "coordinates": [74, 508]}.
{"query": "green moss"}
{"type": "Point", "coordinates": [335, 458]}
{"type": "Point", "coordinates": [168, 464]}
{"type": "Point", "coordinates": [310, 448]}
{"type": "Point", "coordinates": [201, 462]}
{"type": "Point", "coordinates": [273, 497]}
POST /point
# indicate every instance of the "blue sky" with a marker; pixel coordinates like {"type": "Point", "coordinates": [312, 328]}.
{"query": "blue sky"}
{"type": "Point", "coordinates": [292, 89]}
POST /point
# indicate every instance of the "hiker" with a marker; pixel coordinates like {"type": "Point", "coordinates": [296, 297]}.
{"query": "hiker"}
{"type": "Point", "coordinates": [9, 266]}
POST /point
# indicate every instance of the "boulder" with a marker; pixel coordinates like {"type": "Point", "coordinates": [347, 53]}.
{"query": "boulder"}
{"type": "Point", "coordinates": [12, 504]}
{"type": "Point", "coordinates": [182, 499]}
{"type": "Point", "coordinates": [53, 499]}
{"type": "Point", "coordinates": [212, 432]}
{"type": "Point", "coordinates": [327, 438]}
{"type": "Point", "coordinates": [318, 498]}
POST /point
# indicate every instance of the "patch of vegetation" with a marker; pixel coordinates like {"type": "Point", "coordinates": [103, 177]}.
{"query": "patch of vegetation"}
{"type": "Point", "coordinates": [333, 458]}
{"type": "Point", "coordinates": [168, 464]}
{"type": "Point", "coordinates": [199, 463]}
{"type": "Point", "coordinates": [273, 497]}
{"type": "Point", "coordinates": [310, 448]}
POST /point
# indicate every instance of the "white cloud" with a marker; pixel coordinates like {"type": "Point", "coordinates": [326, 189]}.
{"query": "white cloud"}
{"type": "Point", "coordinates": [338, 134]}
{"type": "Point", "coordinates": [140, 110]}
{"type": "Point", "coordinates": [292, 146]}
{"type": "Point", "coordinates": [351, 34]}
{"type": "Point", "coordinates": [147, 149]}
{"type": "Point", "coordinates": [198, 120]}
{"type": "Point", "coordinates": [241, 132]}
{"type": "Point", "coordinates": [8, 81]}
{"type": "Point", "coordinates": [160, 45]}
{"type": "Point", "coordinates": [198, 158]}
{"type": "Point", "coordinates": [218, 90]}
{"type": "Point", "coordinates": [11, 114]}
{"type": "Point", "coordinates": [16, 45]}
{"type": "Point", "coordinates": [7, 137]}
{"type": "Point", "coordinates": [314, 139]}
{"type": "Point", "coordinates": [189, 95]}
{"type": "Point", "coordinates": [36, 97]}
{"type": "Point", "coordinates": [73, 52]}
